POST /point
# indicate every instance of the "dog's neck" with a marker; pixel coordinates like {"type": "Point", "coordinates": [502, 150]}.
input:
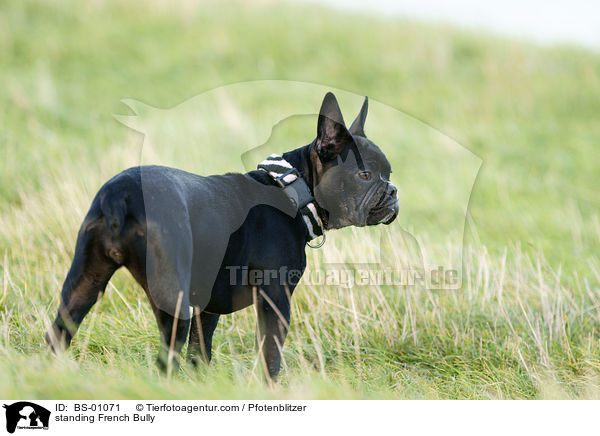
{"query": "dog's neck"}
{"type": "Point", "coordinates": [301, 160]}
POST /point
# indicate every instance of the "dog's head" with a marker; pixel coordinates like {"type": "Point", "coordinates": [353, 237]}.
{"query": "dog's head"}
{"type": "Point", "coordinates": [351, 175]}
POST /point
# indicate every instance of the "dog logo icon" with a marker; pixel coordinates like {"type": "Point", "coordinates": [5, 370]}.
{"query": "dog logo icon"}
{"type": "Point", "coordinates": [26, 415]}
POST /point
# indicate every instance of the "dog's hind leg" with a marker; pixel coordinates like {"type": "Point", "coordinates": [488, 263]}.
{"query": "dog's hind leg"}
{"type": "Point", "coordinates": [201, 333]}
{"type": "Point", "coordinates": [88, 276]}
{"type": "Point", "coordinates": [167, 266]}
{"type": "Point", "coordinates": [172, 324]}
{"type": "Point", "coordinates": [173, 331]}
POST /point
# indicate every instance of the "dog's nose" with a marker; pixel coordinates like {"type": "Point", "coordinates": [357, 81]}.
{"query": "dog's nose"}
{"type": "Point", "coordinates": [393, 190]}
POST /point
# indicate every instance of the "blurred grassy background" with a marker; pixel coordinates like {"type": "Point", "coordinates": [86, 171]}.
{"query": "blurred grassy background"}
{"type": "Point", "coordinates": [526, 324]}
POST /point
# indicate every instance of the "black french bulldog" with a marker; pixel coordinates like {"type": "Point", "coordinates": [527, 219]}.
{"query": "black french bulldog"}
{"type": "Point", "coordinates": [201, 247]}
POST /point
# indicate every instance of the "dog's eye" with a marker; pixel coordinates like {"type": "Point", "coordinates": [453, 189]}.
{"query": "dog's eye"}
{"type": "Point", "coordinates": [365, 175]}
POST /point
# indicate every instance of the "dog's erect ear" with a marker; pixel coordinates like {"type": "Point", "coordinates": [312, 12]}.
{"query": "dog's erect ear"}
{"type": "Point", "coordinates": [332, 135]}
{"type": "Point", "coordinates": [358, 126]}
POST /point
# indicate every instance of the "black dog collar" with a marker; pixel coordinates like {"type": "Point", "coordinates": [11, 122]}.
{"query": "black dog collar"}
{"type": "Point", "coordinates": [296, 188]}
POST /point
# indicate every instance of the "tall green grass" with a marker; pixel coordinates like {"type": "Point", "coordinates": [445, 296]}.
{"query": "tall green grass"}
{"type": "Point", "coordinates": [525, 324]}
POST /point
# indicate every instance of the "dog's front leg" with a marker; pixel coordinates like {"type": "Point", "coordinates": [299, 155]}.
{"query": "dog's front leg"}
{"type": "Point", "coordinates": [273, 315]}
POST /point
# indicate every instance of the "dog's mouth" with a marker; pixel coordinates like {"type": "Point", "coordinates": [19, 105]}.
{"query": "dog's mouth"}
{"type": "Point", "coordinates": [386, 209]}
{"type": "Point", "coordinates": [384, 214]}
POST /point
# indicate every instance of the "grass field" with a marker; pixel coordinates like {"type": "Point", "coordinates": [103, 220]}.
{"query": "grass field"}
{"type": "Point", "coordinates": [526, 323]}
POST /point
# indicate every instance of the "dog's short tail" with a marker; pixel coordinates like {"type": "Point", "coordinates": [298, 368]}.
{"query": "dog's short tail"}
{"type": "Point", "coordinates": [114, 209]}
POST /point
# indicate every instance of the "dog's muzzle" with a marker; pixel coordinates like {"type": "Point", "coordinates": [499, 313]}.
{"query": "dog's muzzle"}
{"type": "Point", "coordinates": [386, 209]}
